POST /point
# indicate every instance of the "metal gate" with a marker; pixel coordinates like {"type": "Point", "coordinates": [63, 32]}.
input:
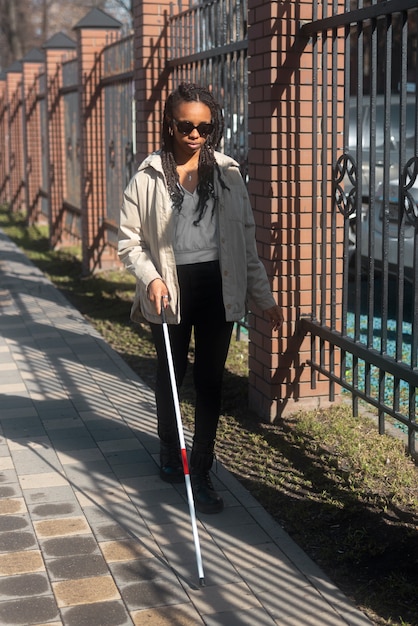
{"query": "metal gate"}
{"type": "Point", "coordinates": [72, 197]}
{"type": "Point", "coordinates": [118, 88]}
{"type": "Point", "coordinates": [370, 348]}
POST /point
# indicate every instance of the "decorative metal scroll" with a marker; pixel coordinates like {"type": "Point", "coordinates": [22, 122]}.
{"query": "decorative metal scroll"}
{"type": "Point", "coordinates": [345, 182]}
{"type": "Point", "coordinates": [409, 178]}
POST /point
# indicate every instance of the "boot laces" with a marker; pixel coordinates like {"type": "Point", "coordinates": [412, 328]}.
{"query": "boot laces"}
{"type": "Point", "coordinates": [205, 481]}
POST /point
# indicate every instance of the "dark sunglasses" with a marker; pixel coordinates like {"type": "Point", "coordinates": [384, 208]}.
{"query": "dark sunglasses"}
{"type": "Point", "coordinates": [185, 128]}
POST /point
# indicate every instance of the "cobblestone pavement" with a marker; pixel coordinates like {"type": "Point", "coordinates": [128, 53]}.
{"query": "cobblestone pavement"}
{"type": "Point", "coordinates": [89, 534]}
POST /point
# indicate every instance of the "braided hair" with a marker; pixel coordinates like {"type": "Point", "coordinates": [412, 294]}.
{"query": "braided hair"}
{"type": "Point", "coordinates": [190, 92]}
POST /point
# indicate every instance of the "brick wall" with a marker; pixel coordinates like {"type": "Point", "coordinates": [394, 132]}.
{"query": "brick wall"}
{"type": "Point", "coordinates": [34, 153]}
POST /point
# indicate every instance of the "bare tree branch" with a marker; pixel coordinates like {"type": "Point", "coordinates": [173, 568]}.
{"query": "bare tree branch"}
{"type": "Point", "coordinates": [25, 24]}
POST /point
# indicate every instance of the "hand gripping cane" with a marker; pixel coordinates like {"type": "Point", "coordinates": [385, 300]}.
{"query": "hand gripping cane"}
{"type": "Point", "coordinates": [182, 446]}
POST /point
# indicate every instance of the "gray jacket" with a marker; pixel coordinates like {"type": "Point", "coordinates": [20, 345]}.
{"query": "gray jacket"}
{"type": "Point", "coordinates": [146, 235]}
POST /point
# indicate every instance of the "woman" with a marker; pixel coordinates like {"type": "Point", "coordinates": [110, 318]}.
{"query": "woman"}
{"type": "Point", "coordinates": [187, 235]}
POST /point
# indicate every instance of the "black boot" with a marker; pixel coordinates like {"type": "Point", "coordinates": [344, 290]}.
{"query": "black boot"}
{"type": "Point", "coordinates": [171, 468]}
{"type": "Point", "coordinates": [205, 497]}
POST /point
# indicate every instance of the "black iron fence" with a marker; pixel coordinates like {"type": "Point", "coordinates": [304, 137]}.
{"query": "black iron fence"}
{"type": "Point", "coordinates": [119, 119]}
{"type": "Point", "coordinates": [72, 188]}
{"type": "Point", "coordinates": [208, 45]}
{"type": "Point", "coordinates": [371, 347]}
{"type": "Point", "coordinates": [109, 93]}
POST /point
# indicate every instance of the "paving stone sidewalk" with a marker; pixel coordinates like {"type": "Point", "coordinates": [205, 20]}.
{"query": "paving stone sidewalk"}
{"type": "Point", "coordinates": [89, 534]}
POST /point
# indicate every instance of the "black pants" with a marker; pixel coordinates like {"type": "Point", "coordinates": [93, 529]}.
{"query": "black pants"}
{"type": "Point", "coordinates": [203, 311]}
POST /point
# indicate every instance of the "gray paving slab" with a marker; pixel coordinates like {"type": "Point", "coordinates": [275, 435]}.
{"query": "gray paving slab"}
{"type": "Point", "coordinates": [89, 534]}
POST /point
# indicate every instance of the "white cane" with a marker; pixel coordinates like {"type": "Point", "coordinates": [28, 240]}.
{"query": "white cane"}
{"type": "Point", "coordinates": [182, 446]}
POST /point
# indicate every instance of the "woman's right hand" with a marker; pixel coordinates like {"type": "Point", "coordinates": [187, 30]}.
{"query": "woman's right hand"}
{"type": "Point", "coordinates": [157, 289]}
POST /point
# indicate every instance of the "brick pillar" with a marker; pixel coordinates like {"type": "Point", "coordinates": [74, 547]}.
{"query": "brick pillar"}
{"type": "Point", "coordinates": [281, 96]}
{"type": "Point", "coordinates": [32, 65]}
{"type": "Point", "coordinates": [94, 31]}
{"type": "Point", "coordinates": [57, 49]}
{"type": "Point", "coordinates": [151, 73]}
{"type": "Point", "coordinates": [16, 199]}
